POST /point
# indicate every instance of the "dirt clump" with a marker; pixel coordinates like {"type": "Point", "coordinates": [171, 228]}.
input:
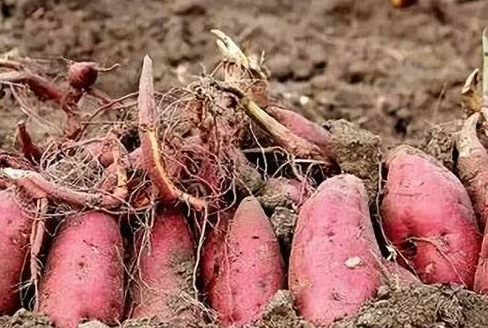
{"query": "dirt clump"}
{"type": "Point", "coordinates": [427, 306]}
{"type": "Point", "coordinates": [283, 222]}
{"type": "Point", "coordinates": [357, 152]}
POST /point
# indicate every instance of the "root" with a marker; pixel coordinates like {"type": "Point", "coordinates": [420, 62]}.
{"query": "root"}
{"type": "Point", "coordinates": [30, 151]}
{"type": "Point", "coordinates": [42, 88]}
{"type": "Point", "coordinates": [289, 141]}
{"type": "Point", "coordinates": [198, 258]}
{"type": "Point", "coordinates": [36, 241]}
{"type": "Point", "coordinates": [153, 161]}
{"type": "Point", "coordinates": [442, 253]}
{"type": "Point", "coordinates": [38, 187]}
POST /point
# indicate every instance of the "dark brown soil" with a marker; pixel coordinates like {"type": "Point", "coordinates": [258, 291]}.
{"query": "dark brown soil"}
{"type": "Point", "coordinates": [422, 306]}
{"type": "Point", "coordinates": [394, 72]}
{"type": "Point", "coordinates": [417, 306]}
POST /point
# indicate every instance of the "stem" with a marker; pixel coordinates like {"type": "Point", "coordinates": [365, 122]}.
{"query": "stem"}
{"type": "Point", "coordinates": [153, 161]}
{"type": "Point", "coordinates": [38, 187]}
{"type": "Point", "coordinates": [42, 88]}
{"type": "Point", "coordinates": [30, 151]}
{"type": "Point", "coordinates": [36, 241]}
{"type": "Point", "coordinates": [12, 64]}
{"type": "Point", "coordinates": [467, 141]}
{"type": "Point", "coordinates": [292, 143]}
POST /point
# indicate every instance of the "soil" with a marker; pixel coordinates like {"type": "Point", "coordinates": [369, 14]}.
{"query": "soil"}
{"type": "Point", "coordinates": [412, 306]}
{"type": "Point", "coordinates": [396, 73]}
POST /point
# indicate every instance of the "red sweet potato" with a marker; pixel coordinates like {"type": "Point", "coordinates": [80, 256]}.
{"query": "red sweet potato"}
{"type": "Point", "coordinates": [242, 265]}
{"type": "Point", "coordinates": [428, 217]}
{"type": "Point", "coordinates": [84, 276]}
{"type": "Point", "coordinates": [334, 256]}
{"type": "Point", "coordinates": [480, 284]}
{"type": "Point", "coordinates": [472, 165]}
{"type": "Point", "coordinates": [163, 279]}
{"type": "Point", "coordinates": [14, 246]}
{"type": "Point", "coordinates": [301, 126]}
{"type": "Point", "coordinates": [402, 275]}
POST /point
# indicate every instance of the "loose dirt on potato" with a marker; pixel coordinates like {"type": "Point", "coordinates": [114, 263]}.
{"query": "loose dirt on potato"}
{"type": "Point", "coordinates": [399, 306]}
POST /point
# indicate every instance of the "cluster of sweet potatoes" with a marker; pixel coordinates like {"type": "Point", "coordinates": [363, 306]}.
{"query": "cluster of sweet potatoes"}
{"type": "Point", "coordinates": [174, 211]}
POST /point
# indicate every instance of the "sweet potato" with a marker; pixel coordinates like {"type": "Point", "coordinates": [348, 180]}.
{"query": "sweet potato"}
{"type": "Point", "coordinates": [14, 246]}
{"type": "Point", "coordinates": [84, 277]}
{"type": "Point", "coordinates": [163, 278]}
{"type": "Point", "coordinates": [334, 256]}
{"type": "Point", "coordinates": [472, 165]}
{"type": "Point", "coordinates": [301, 126]}
{"type": "Point", "coordinates": [242, 265]}
{"type": "Point", "coordinates": [480, 284]}
{"type": "Point", "coordinates": [400, 274]}
{"type": "Point", "coordinates": [428, 217]}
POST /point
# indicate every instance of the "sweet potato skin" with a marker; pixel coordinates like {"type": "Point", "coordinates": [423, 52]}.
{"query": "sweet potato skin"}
{"type": "Point", "coordinates": [428, 217]}
{"type": "Point", "coordinates": [333, 263]}
{"type": "Point", "coordinates": [472, 166]}
{"type": "Point", "coordinates": [301, 126]}
{"type": "Point", "coordinates": [164, 272]}
{"type": "Point", "coordinates": [480, 284]}
{"type": "Point", "coordinates": [242, 265]}
{"type": "Point", "coordinates": [84, 276]}
{"type": "Point", "coordinates": [14, 245]}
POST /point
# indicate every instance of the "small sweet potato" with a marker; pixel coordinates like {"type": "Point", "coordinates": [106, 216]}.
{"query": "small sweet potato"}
{"type": "Point", "coordinates": [242, 266]}
{"type": "Point", "coordinates": [428, 216]}
{"type": "Point", "coordinates": [163, 277]}
{"type": "Point", "coordinates": [14, 246]}
{"type": "Point", "coordinates": [334, 256]}
{"type": "Point", "coordinates": [472, 165]}
{"type": "Point", "coordinates": [84, 277]}
{"type": "Point", "coordinates": [301, 126]}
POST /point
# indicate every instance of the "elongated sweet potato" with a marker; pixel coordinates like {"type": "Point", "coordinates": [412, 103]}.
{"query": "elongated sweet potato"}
{"type": "Point", "coordinates": [242, 266]}
{"type": "Point", "coordinates": [428, 216]}
{"type": "Point", "coordinates": [163, 278]}
{"type": "Point", "coordinates": [15, 228]}
{"type": "Point", "coordinates": [84, 277]}
{"type": "Point", "coordinates": [472, 165]}
{"type": "Point", "coordinates": [334, 256]}
{"type": "Point", "coordinates": [301, 126]}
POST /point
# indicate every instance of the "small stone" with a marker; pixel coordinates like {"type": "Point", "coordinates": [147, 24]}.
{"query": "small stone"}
{"type": "Point", "coordinates": [303, 100]}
